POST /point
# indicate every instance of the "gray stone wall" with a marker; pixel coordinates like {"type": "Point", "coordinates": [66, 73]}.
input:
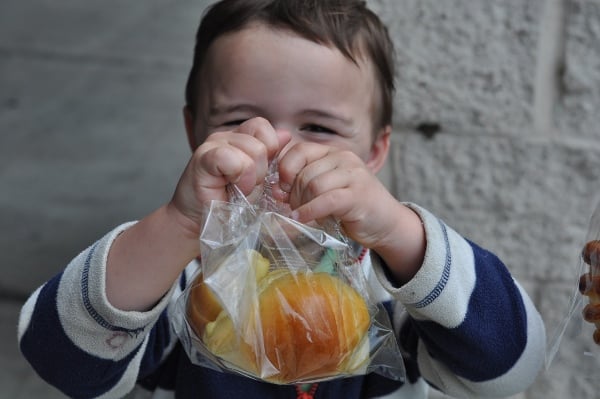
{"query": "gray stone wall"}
{"type": "Point", "coordinates": [496, 131]}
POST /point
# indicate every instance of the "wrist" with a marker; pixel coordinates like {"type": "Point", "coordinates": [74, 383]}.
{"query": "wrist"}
{"type": "Point", "coordinates": [403, 246]}
{"type": "Point", "coordinates": [146, 259]}
{"type": "Point", "coordinates": [186, 226]}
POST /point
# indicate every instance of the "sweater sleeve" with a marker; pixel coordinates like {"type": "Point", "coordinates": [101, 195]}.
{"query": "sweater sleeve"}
{"type": "Point", "coordinates": [78, 342]}
{"type": "Point", "coordinates": [478, 333]}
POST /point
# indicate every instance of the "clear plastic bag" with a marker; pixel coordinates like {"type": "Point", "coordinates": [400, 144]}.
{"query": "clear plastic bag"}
{"type": "Point", "coordinates": [579, 331]}
{"type": "Point", "coordinates": [281, 301]}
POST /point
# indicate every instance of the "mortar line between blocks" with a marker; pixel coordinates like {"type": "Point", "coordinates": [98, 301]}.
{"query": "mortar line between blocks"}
{"type": "Point", "coordinates": [549, 64]}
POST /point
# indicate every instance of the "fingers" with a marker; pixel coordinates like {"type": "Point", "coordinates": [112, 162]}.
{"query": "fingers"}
{"type": "Point", "coordinates": [225, 161]}
{"type": "Point", "coordinates": [263, 131]}
{"type": "Point", "coordinates": [321, 181]}
{"type": "Point", "coordinates": [296, 160]}
{"type": "Point", "coordinates": [332, 204]}
{"type": "Point", "coordinates": [241, 156]}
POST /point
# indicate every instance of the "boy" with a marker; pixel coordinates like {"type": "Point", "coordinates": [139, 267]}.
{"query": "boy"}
{"type": "Point", "coordinates": [309, 84]}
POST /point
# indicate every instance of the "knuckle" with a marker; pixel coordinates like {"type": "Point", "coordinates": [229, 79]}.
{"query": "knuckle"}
{"type": "Point", "coordinates": [313, 187]}
{"type": "Point", "coordinates": [255, 124]}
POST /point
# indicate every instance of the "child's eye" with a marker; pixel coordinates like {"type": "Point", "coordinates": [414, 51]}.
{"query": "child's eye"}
{"type": "Point", "coordinates": [235, 122]}
{"type": "Point", "coordinates": [318, 129]}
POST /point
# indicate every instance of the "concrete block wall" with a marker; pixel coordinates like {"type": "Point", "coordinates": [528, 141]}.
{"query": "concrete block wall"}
{"type": "Point", "coordinates": [92, 132]}
{"type": "Point", "coordinates": [495, 132]}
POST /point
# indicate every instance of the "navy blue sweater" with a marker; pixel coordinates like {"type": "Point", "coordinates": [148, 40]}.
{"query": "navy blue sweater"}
{"type": "Point", "coordinates": [464, 325]}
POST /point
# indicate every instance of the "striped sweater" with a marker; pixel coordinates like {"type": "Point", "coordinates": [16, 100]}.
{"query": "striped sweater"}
{"type": "Point", "coordinates": [464, 325]}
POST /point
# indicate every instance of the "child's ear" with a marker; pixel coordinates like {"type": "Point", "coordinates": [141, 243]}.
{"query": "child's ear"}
{"type": "Point", "coordinates": [380, 149]}
{"type": "Point", "coordinates": [188, 120]}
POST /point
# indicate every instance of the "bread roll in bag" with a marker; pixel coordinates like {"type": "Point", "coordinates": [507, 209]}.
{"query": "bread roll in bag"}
{"type": "Point", "coordinates": [303, 326]}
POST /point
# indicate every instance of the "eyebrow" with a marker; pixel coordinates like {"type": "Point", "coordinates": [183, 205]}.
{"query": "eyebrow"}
{"type": "Point", "coordinates": [225, 109]}
{"type": "Point", "coordinates": [326, 115]}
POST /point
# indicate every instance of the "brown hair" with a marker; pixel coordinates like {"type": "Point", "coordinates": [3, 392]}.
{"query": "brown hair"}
{"type": "Point", "coordinates": [346, 24]}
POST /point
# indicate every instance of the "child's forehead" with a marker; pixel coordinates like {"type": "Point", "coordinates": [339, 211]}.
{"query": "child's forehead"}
{"type": "Point", "coordinates": [355, 53]}
{"type": "Point", "coordinates": [260, 65]}
{"type": "Point", "coordinates": [280, 53]}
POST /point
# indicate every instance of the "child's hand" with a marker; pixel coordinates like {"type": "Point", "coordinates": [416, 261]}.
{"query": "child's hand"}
{"type": "Point", "coordinates": [240, 156]}
{"type": "Point", "coordinates": [322, 181]}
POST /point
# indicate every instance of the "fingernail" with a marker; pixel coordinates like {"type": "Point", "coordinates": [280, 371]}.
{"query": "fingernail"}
{"type": "Point", "coordinates": [280, 195]}
{"type": "Point", "coordinates": [285, 187]}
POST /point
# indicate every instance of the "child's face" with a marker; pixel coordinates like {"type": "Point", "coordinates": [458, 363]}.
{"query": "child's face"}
{"type": "Point", "coordinates": [311, 90]}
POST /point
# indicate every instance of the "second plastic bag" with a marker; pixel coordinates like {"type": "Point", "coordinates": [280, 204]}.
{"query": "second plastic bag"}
{"type": "Point", "coordinates": [282, 301]}
{"type": "Point", "coordinates": [578, 333]}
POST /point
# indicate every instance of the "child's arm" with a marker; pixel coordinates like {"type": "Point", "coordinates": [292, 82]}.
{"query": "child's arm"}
{"type": "Point", "coordinates": [79, 343]}
{"type": "Point", "coordinates": [475, 331]}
